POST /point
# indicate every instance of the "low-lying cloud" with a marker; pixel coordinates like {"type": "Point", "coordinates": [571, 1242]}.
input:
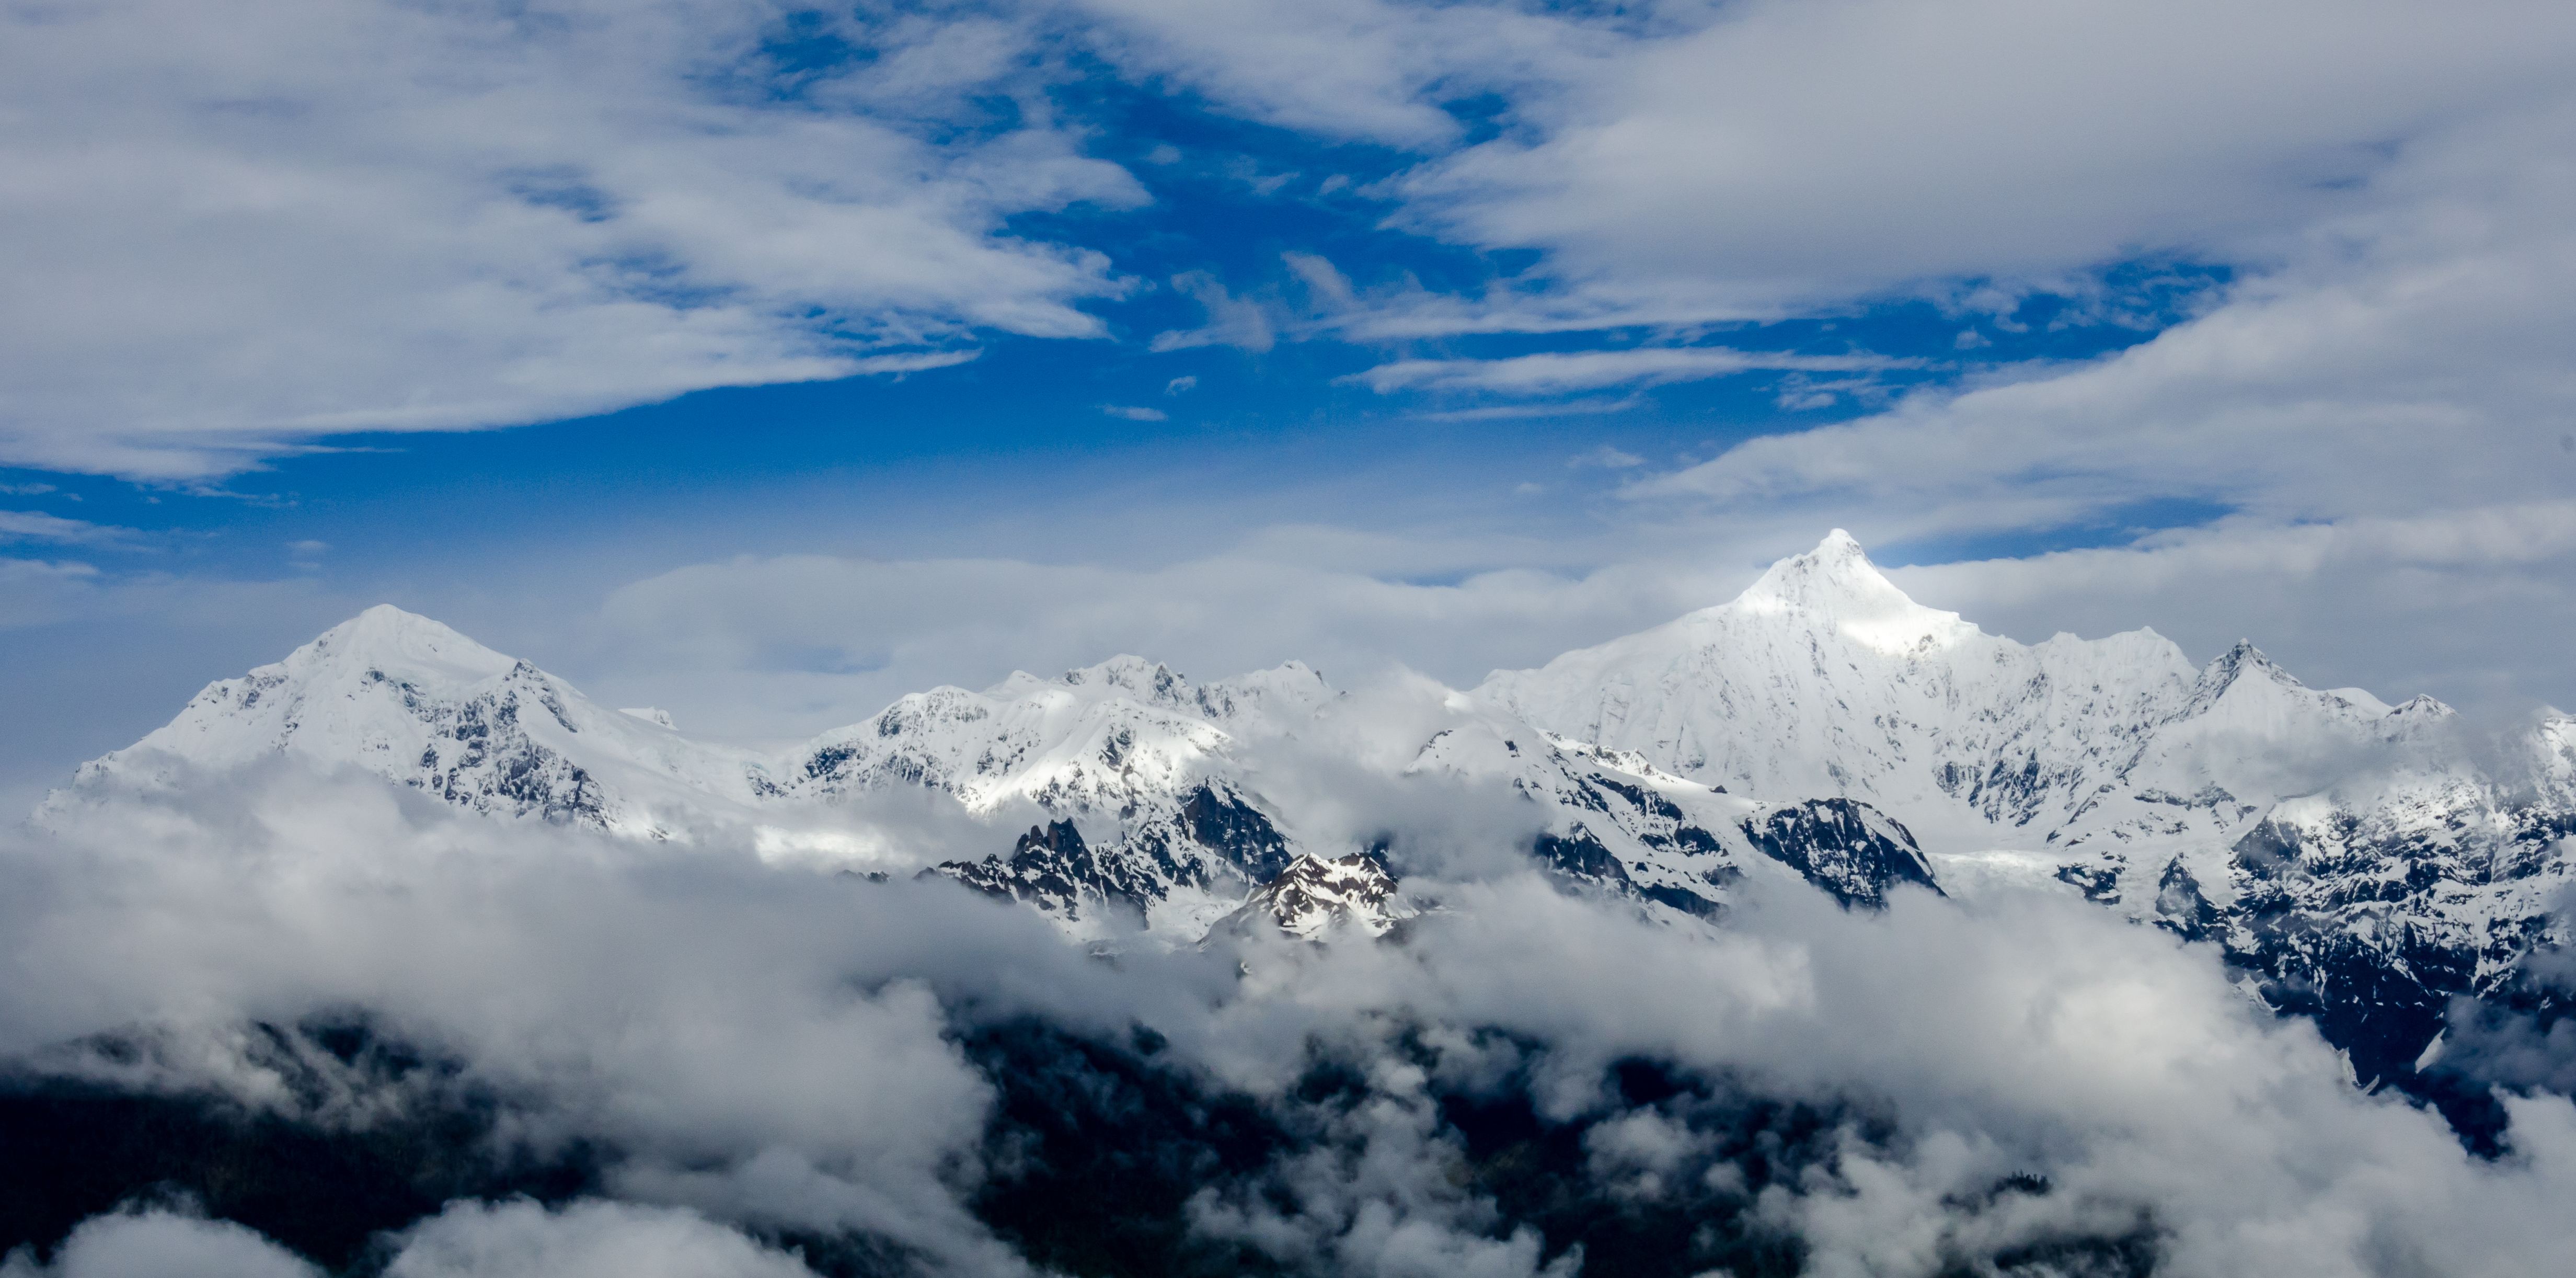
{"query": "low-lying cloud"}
{"type": "Point", "coordinates": [751, 1067]}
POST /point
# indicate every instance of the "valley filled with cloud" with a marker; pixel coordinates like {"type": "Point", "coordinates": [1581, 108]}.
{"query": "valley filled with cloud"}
{"type": "Point", "coordinates": [1242, 646]}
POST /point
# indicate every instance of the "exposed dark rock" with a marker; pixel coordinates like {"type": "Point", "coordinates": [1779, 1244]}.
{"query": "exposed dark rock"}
{"type": "Point", "coordinates": [1834, 844]}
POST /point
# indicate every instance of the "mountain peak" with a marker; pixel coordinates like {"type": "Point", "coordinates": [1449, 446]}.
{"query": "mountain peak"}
{"type": "Point", "coordinates": [1131, 673]}
{"type": "Point", "coordinates": [1837, 582]}
{"type": "Point", "coordinates": [1314, 898]}
{"type": "Point", "coordinates": [403, 645]}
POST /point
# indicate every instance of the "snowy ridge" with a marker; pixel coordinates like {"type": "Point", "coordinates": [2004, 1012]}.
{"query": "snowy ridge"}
{"type": "Point", "coordinates": [1097, 740]}
{"type": "Point", "coordinates": [1821, 730]}
{"type": "Point", "coordinates": [1153, 827]}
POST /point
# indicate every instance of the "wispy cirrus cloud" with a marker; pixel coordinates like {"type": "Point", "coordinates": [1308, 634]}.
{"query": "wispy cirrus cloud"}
{"type": "Point", "coordinates": [29, 525]}
{"type": "Point", "coordinates": [1241, 322]}
{"type": "Point", "coordinates": [1558, 372]}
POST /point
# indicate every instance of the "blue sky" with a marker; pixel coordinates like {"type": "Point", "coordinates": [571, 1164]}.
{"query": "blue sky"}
{"type": "Point", "coordinates": [660, 342]}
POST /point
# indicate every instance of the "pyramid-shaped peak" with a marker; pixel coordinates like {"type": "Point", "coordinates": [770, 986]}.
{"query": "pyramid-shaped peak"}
{"type": "Point", "coordinates": [1836, 582]}
{"type": "Point", "coordinates": [1836, 567]}
{"type": "Point", "coordinates": [402, 645]}
{"type": "Point", "coordinates": [2244, 656]}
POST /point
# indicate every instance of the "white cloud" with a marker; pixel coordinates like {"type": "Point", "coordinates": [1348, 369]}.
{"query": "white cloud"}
{"type": "Point", "coordinates": [709, 1057]}
{"type": "Point", "coordinates": [1607, 458]}
{"type": "Point", "coordinates": [1699, 162]}
{"type": "Point", "coordinates": [1134, 413]}
{"type": "Point", "coordinates": [249, 226]}
{"type": "Point", "coordinates": [2469, 605]}
{"type": "Point", "coordinates": [2381, 417]}
{"type": "Point", "coordinates": [29, 525]}
{"type": "Point", "coordinates": [584, 1240]}
{"type": "Point", "coordinates": [1548, 408]}
{"type": "Point", "coordinates": [1558, 372]}
{"type": "Point", "coordinates": [2399, 360]}
{"type": "Point", "coordinates": [1780, 155]}
{"type": "Point", "coordinates": [1348, 68]}
{"type": "Point", "coordinates": [1240, 322]}
{"type": "Point", "coordinates": [158, 1243]}
{"type": "Point", "coordinates": [864, 632]}
{"type": "Point", "coordinates": [757, 1048]}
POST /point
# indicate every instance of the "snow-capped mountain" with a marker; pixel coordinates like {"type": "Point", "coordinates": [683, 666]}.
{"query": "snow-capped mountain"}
{"type": "Point", "coordinates": [1153, 825]}
{"type": "Point", "coordinates": [2349, 853]}
{"type": "Point", "coordinates": [1151, 817]}
{"type": "Point", "coordinates": [2353, 858]}
{"type": "Point", "coordinates": [407, 699]}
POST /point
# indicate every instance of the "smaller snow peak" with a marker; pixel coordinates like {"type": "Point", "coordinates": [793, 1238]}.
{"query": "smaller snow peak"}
{"type": "Point", "coordinates": [654, 715]}
{"type": "Point", "coordinates": [2420, 720]}
{"type": "Point", "coordinates": [1315, 899]}
{"type": "Point", "coordinates": [1019, 684]}
{"type": "Point", "coordinates": [1837, 583]}
{"type": "Point", "coordinates": [1130, 673]}
{"type": "Point", "coordinates": [2233, 666]}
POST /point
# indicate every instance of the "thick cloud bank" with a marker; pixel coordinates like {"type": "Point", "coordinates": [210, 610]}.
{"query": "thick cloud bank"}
{"type": "Point", "coordinates": [368, 1035]}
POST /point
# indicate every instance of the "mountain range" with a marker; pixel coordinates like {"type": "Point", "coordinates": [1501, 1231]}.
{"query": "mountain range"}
{"type": "Point", "coordinates": [2356, 862]}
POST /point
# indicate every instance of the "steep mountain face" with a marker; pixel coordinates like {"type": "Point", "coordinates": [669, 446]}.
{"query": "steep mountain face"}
{"type": "Point", "coordinates": [1153, 826]}
{"type": "Point", "coordinates": [2348, 854]}
{"type": "Point", "coordinates": [1616, 824]}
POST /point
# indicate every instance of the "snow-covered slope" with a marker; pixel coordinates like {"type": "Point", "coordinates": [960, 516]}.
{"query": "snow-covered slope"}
{"type": "Point", "coordinates": [1096, 740]}
{"type": "Point", "coordinates": [2350, 853]}
{"type": "Point", "coordinates": [1614, 823]}
{"type": "Point", "coordinates": [410, 700]}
